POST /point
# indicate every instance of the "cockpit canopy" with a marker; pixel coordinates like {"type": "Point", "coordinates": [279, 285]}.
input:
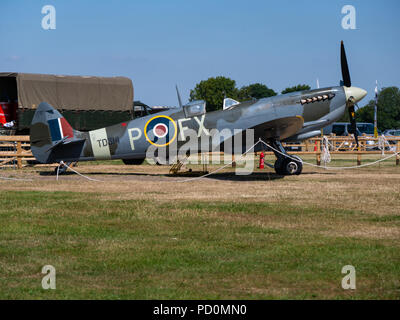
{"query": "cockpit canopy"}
{"type": "Point", "coordinates": [194, 108]}
{"type": "Point", "coordinates": [228, 102]}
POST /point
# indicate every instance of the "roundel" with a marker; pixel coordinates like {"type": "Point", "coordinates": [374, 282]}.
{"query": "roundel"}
{"type": "Point", "coordinates": [160, 130]}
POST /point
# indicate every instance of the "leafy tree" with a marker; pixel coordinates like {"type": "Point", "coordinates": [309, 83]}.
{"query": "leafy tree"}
{"type": "Point", "coordinates": [255, 91]}
{"type": "Point", "coordinates": [299, 87]}
{"type": "Point", "coordinates": [213, 91]}
{"type": "Point", "coordinates": [388, 109]}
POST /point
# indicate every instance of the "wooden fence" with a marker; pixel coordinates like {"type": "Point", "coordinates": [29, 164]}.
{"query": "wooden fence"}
{"type": "Point", "coordinates": [347, 145]}
{"type": "Point", "coordinates": [15, 149]}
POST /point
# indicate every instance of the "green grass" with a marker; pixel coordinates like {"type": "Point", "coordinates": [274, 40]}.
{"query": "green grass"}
{"type": "Point", "coordinates": [135, 249]}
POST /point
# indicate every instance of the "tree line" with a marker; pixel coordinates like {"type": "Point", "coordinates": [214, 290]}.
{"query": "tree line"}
{"type": "Point", "coordinates": [214, 90]}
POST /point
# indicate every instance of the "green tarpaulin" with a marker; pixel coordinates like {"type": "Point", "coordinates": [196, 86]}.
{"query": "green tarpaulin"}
{"type": "Point", "coordinates": [86, 102]}
{"type": "Point", "coordinates": [70, 92]}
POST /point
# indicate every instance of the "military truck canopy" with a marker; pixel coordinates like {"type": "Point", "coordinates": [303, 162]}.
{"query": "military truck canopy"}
{"type": "Point", "coordinates": [82, 93]}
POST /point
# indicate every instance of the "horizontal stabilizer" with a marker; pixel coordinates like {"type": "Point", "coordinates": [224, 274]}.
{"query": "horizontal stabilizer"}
{"type": "Point", "coordinates": [52, 138]}
{"type": "Point", "coordinates": [65, 141]}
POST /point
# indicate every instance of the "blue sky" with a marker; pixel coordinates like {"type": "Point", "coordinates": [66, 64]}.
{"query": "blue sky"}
{"type": "Point", "coordinates": [160, 43]}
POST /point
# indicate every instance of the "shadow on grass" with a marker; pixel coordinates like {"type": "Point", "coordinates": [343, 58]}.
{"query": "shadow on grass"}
{"type": "Point", "coordinates": [227, 176]}
{"type": "Point", "coordinates": [69, 173]}
{"type": "Point", "coordinates": [255, 176]}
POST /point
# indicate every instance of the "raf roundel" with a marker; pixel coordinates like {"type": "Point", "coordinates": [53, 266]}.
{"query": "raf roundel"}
{"type": "Point", "coordinates": [160, 130]}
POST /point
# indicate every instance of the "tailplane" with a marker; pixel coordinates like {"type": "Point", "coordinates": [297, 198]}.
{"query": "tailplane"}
{"type": "Point", "coordinates": [52, 137]}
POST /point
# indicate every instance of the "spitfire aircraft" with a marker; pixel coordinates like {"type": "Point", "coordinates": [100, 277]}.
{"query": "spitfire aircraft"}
{"type": "Point", "coordinates": [289, 117]}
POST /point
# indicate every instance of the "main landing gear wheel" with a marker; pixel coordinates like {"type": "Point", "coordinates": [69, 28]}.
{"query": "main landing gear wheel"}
{"type": "Point", "coordinates": [288, 166]}
{"type": "Point", "coordinates": [285, 165]}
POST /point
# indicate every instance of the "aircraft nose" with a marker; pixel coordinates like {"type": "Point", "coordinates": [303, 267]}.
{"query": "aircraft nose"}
{"type": "Point", "coordinates": [356, 93]}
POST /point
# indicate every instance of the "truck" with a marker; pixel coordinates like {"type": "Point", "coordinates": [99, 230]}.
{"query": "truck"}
{"type": "Point", "coordinates": [87, 102]}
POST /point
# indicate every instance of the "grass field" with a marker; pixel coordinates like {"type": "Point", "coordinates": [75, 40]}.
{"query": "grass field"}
{"type": "Point", "coordinates": [140, 234]}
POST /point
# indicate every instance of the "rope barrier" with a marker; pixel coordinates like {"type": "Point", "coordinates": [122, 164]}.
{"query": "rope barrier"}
{"type": "Point", "coordinates": [332, 168]}
{"type": "Point", "coordinates": [15, 179]}
{"type": "Point", "coordinates": [326, 157]}
{"type": "Point", "coordinates": [219, 169]}
{"type": "Point", "coordinates": [382, 143]}
{"type": "Point", "coordinates": [62, 163]}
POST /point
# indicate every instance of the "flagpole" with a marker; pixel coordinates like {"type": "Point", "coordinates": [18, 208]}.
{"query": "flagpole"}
{"type": "Point", "coordinates": [376, 111]}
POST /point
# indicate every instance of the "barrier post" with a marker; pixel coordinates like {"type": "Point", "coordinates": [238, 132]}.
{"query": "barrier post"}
{"type": "Point", "coordinates": [19, 151]}
{"type": "Point", "coordinates": [360, 148]}
{"type": "Point", "coordinates": [398, 150]}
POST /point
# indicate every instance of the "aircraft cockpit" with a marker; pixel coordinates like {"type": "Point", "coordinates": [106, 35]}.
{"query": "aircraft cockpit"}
{"type": "Point", "coordinates": [194, 108]}
{"type": "Point", "coordinates": [228, 103]}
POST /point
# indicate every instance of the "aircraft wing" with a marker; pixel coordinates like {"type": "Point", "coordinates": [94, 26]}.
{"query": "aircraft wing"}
{"type": "Point", "coordinates": [281, 128]}
{"type": "Point", "coordinates": [314, 123]}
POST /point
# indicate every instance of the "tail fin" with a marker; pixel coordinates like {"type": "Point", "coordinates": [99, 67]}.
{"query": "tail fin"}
{"type": "Point", "coordinates": [50, 130]}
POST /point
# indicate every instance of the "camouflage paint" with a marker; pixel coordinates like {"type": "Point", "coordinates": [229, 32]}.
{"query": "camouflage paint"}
{"type": "Point", "coordinates": [278, 117]}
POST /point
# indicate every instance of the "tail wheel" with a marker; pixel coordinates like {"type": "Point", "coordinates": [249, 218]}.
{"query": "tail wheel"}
{"type": "Point", "coordinates": [61, 169]}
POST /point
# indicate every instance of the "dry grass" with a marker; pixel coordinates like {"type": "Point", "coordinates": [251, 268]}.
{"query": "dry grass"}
{"type": "Point", "coordinates": [284, 237]}
{"type": "Point", "coordinates": [372, 190]}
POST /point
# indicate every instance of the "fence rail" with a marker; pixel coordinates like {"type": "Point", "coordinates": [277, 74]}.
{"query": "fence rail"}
{"type": "Point", "coordinates": [346, 145]}
{"type": "Point", "coordinates": [15, 149]}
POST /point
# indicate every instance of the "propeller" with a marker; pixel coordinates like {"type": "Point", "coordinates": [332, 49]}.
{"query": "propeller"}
{"type": "Point", "coordinates": [353, 123]}
{"type": "Point", "coordinates": [345, 66]}
{"type": "Point", "coordinates": [347, 83]}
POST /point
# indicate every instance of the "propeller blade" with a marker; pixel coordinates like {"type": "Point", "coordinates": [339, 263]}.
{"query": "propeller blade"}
{"type": "Point", "coordinates": [345, 67]}
{"type": "Point", "coordinates": [353, 123]}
